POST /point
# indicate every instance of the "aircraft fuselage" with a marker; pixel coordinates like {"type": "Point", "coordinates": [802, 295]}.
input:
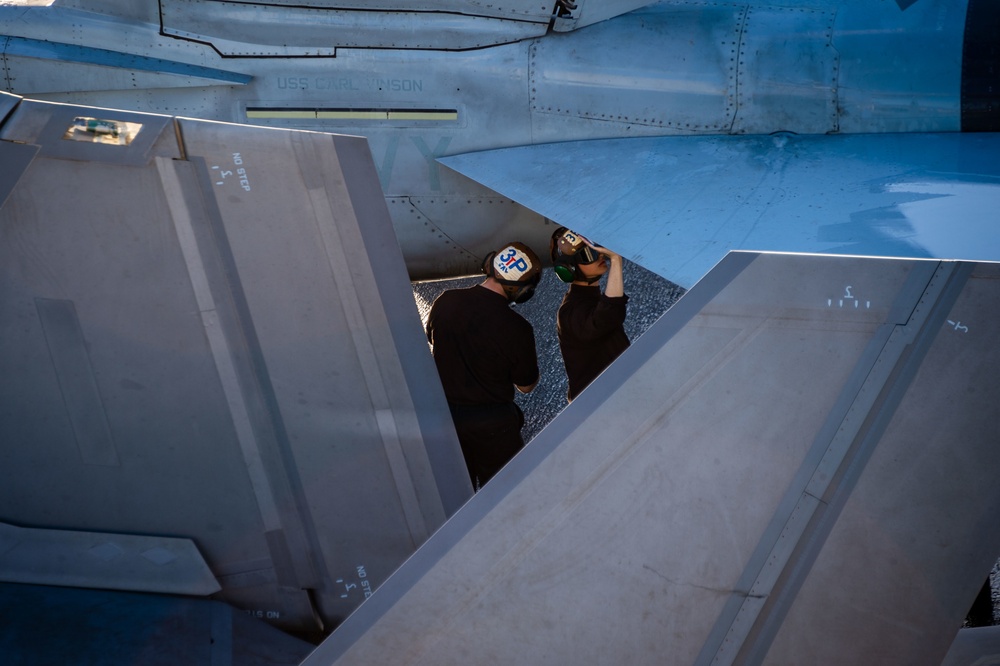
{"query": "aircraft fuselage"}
{"type": "Point", "coordinates": [666, 69]}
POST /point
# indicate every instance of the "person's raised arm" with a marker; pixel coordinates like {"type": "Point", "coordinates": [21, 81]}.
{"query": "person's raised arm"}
{"type": "Point", "coordinates": [616, 282]}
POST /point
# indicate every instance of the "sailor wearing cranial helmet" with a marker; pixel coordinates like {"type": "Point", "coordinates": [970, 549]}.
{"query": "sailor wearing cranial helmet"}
{"type": "Point", "coordinates": [483, 350]}
{"type": "Point", "coordinates": [590, 325]}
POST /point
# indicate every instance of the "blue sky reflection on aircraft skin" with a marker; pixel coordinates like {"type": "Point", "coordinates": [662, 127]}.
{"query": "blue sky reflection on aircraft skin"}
{"type": "Point", "coordinates": [507, 78]}
{"type": "Point", "coordinates": [672, 69]}
{"type": "Point", "coordinates": [924, 215]}
{"type": "Point", "coordinates": [677, 205]}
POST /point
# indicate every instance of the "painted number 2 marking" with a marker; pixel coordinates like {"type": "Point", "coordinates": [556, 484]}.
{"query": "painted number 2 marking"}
{"type": "Point", "coordinates": [221, 174]}
{"type": "Point", "coordinates": [363, 583]}
{"type": "Point", "coordinates": [848, 298]}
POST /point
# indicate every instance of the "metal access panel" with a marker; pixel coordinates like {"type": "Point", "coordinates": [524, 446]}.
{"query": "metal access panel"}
{"type": "Point", "coordinates": [207, 332]}
{"type": "Point", "coordinates": [795, 465]}
{"type": "Point", "coordinates": [321, 28]}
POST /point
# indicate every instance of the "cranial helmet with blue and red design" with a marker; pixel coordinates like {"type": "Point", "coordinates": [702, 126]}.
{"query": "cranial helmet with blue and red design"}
{"type": "Point", "coordinates": [517, 268]}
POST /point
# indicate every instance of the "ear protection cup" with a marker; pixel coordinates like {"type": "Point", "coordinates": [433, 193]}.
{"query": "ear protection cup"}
{"type": "Point", "coordinates": [567, 252]}
{"type": "Point", "coordinates": [564, 273]}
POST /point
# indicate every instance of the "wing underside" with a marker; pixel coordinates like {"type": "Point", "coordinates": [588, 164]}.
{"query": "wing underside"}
{"type": "Point", "coordinates": [676, 205]}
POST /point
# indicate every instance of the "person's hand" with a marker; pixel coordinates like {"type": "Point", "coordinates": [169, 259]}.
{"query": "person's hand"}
{"type": "Point", "coordinates": [614, 263]}
{"type": "Point", "coordinates": [602, 250]}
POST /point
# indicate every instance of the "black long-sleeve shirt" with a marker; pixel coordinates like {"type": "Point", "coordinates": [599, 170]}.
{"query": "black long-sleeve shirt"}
{"type": "Point", "coordinates": [591, 329]}
{"type": "Point", "coordinates": [482, 348]}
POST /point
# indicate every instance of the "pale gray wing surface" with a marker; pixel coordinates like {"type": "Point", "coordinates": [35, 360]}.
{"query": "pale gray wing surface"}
{"type": "Point", "coordinates": [676, 205]}
{"type": "Point", "coordinates": [793, 465]}
{"type": "Point", "coordinates": [209, 335]}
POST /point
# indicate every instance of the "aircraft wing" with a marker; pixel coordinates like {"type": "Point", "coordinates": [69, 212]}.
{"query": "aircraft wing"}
{"type": "Point", "coordinates": [676, 205]}
{"type": "Point", "coordinates": [215, 377]}
{"type": "Point", "coordinates": [775, 472]}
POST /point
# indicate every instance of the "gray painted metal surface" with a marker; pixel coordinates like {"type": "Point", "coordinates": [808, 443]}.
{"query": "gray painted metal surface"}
{"type": "Point", "coordinates": [539, 11]}
{"type": "Point", "coordinates": [7, 104]}
{"type": "Point", "coordinates": [248, 29]}
{"type": "Point", "coordinates": [589, 12]}
{"type": "Point", "coordinates": [104, 561]}
{"type": "Point", "coordinates": [209, 333]}
{"type": "Point", "coordinates": [401, 75]}
{"type": "Point", "coordinates": [978, 646]}
{"type": "Point", "coordinates": [61, 625]}
{"type": "Point", "coordinates": [15, 158]}
{"type": "Point", "coordinates": [795, 464]}
{"type": "Point", "coordinates": [677, 205]}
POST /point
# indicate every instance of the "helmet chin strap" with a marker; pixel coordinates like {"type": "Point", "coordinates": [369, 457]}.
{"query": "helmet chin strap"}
{"type": "Point", "coordinates": [520, 294]}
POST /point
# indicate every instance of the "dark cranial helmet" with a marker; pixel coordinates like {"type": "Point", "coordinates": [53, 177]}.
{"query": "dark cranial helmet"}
{"type": "Point", "coordinates": [568, 250]}
{"type": "Point", "coordinates": [517, 268]}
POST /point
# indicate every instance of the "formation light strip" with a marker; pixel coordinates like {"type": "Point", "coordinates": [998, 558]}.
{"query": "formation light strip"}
{"type": "Point", "coordinates": [433, 115]}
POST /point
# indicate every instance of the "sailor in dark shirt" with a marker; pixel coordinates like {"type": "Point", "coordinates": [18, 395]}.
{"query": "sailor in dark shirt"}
{"type": "Point", "coordinates": [590, 324]}
{"type": "Point", "coordinates": [483, 350]}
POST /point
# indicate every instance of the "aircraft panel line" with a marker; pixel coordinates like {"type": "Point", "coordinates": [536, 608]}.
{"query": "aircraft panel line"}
{"type": "Point", "coordinates": [806, 494]}
{"type": "Point", "coordinates": [80, 391]}
{"type": "Point", "coordinates": [292, 546]}
{"type": "Point", "coordinates": [293, 564]}
{"type": "Point", "coordinates": [915, 340]}
{"type": "Point", "coordinates": [384, 415]}
{"type": "Point", "coordinates": [220, 347]}
{"type": "Point", "coordinates": [793, 551]}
